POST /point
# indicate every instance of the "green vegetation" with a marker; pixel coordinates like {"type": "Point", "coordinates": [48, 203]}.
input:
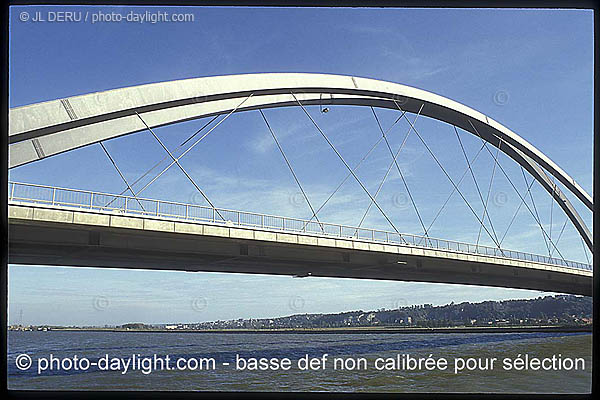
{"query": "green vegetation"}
{"type": "Point", "coordinates": [560, 311]}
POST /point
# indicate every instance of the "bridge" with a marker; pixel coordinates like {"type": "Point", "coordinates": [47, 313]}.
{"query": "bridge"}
{"type": "Point", "coordinates": [66, 226]}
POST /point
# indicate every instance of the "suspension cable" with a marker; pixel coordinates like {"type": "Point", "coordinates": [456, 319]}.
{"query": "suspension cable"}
{"type": "Point", "coordinates": [451, 181]}
{"type": "Point", "coordinates": [477, 187]}
{"type": "Point", "coordinates": [194, 144]}
{"type": "Point", "coordinates": [394, 157]}
{"type": "Point", "coordinates": [536, 211]}
{"type": "Point", "coordinates": [121, 175]}
{"type": "Point", "coordinates": [178, 147]}
{"type": "Point", "coordinates": [347, 166]}
{"type": "Point", "coordinates": [487, 198]}
{"type": "Point", "coordinates": [398, 167]}
{"type": "Point", "coordinates": [354, 169]}
{"type": "Point", "coordinates": [561, 231]}
{"type": "Point", "coordinates": [528, 185]}
{"type": "Point", "coordinates": [584, 250]}
{"type": "Point", "coordinates": [454, 189]}
{"type": "Point", "coordinates": [290, 167]}
{"type": "Point", "coordinates": [164, 158]}
{"type": "Point", "coordinates": [552, 204]}
{"type": "Point", "coordinates": [180, 167]}
{"type": "Point", "coordinates": [514, 187]}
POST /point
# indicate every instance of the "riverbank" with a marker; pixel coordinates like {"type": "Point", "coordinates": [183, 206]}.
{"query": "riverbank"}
{"type": "Point", "coordinates": [391, 330]}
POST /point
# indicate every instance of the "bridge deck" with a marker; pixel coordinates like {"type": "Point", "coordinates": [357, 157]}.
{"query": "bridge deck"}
{"type": "Point", "coordinates": [240, 224]}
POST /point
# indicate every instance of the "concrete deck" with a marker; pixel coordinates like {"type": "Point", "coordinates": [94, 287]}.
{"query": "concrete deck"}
{"type": "Point", "coordinates": [47, 235]}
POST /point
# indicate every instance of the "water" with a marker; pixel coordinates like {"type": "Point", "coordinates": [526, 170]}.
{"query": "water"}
{"type": "Point", "coordinates": [223, 348]}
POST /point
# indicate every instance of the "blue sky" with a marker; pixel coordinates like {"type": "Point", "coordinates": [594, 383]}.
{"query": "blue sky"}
{"type": "Point", "coordinates": [529, 70]}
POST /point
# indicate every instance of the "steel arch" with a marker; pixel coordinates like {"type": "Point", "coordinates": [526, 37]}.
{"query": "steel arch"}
{"type": "Point", "coordinates": [44, 129]}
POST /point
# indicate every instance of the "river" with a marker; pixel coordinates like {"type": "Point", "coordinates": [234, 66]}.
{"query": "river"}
{"type": "Point", "coordinates": [80, 360]}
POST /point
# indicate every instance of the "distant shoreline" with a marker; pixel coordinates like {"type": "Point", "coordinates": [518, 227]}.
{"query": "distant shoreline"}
{"type": "Point", "coordinates": [497, 329]}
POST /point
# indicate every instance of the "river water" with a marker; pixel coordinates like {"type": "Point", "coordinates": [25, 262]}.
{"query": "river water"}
{"type": "Point", "coordinates": [101, 358]}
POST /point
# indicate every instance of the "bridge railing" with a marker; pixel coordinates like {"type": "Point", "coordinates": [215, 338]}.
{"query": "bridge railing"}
{"type": "Point", "coordinates": [84, 199]}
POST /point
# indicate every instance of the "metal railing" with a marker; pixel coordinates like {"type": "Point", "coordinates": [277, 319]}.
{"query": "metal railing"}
{"type": "Point", "coordinates": [56, 196]}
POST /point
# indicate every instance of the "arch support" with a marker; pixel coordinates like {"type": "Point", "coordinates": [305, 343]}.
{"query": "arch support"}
{"type": "Point", "coordinates": [44, 129]}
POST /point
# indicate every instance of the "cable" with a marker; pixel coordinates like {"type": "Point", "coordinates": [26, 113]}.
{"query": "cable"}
{"type": "Point", "coordinates": [354, 169]}
{"type": "Point", "coordinates": [515, 189]}
{"type": "Point", "coordinates": [290, 167]}
{"type": "Point", "coordinates": [450, 179]}
{"type": "Point", "coordinates": [194, 144]}
{"type": "Point", "coordinates": [164, 158]}
{"type": "Point", "coordinates": [477, 187]}
{"type": "Point", "coordinates": [121, 175]}
{"type": "Point", "coordinates": [175, 160]}
{"type": "Point", "coordinates": [402, 176]}
{"type": "Point", "coordinates": [487, 198]}
{"type": "Point", "coordinates": [347, 166]}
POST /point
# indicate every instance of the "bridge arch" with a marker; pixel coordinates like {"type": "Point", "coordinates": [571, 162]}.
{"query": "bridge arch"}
{"type": "Point", "coordinates": [41, 130]}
